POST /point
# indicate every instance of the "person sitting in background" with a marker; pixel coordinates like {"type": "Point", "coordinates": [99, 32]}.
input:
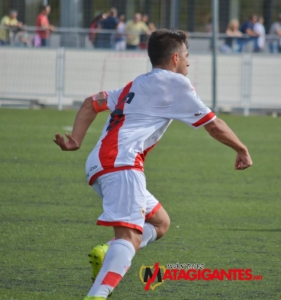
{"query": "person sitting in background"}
{"type": "Point", "coordinates": [248, 28]}
{"type": "Point", "coordinates": [232, 32]}
{"type": "Point", "coordinates": [22, 38]}
{"type": "Point", "coordinates": [260, 31]}
{"type": "Point", "coordinates": [9, 24]}
{"type": "Point", "coordinates": [120, 39]}
{"type": "Point", "coordinates": [134, 29]}
{"type": "Point", "coordinates": [43, 23]}
{"type": "Point", "coordinates": [275, 32]}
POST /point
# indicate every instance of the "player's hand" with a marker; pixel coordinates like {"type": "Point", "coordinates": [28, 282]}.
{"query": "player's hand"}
{"type": "Point", "coordinates": [243, 161]}
{"type": "Point", "coordinates": [70, 145]}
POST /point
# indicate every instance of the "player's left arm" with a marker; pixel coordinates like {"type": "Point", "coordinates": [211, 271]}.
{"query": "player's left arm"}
{"type": "Point", "coordinates": [220, 131]}
{"type": "Point", "coordinates": [84, 118]}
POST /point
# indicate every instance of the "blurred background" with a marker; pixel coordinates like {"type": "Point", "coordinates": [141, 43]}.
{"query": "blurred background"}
{"type": "Point", "coordinates": [57, 52]}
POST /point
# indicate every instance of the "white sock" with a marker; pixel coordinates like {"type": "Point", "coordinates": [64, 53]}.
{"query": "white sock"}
{"type": "Point", "coordinates": [149, 235]}
{"type": "Point", "coordinates": [116, 263]}
{"type": "Point", "coordinates": [109, 242]}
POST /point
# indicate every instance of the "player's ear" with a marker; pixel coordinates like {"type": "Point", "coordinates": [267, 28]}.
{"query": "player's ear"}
{"type": "Point", "coordinates": [175, 58]}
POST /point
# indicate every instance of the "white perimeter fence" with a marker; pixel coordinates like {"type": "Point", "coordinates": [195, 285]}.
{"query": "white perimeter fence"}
{"type": "Point", "coordinates": [62, 77]}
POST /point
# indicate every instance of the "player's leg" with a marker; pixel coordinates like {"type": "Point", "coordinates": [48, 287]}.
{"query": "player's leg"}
{"type": "Point", "coordinates": [160, 222]}
{"type": "Point", "coordinates": [157, 221]}
{"type": "Point", "coordinates": [117, 261]}
{"type": "Point", "coordinates": [124, 203]}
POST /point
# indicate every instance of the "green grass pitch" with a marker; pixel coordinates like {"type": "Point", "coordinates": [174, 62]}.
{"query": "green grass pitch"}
{"type": "Point", "coordinates": [220, 217]}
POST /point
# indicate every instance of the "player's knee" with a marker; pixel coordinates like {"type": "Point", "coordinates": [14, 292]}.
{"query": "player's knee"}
{"type": "Point", "coordinates": [164, 226]}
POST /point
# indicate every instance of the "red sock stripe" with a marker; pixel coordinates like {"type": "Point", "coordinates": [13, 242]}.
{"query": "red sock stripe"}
{"type": "Point", "coordinates": [112, 279]}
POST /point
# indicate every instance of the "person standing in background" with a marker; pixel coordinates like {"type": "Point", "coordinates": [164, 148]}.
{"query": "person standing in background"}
{"type": "Point", "coordinates": [120, 36]}
{"type": "Point", "coordinates": [9, 24]}
{"type": "Point", "coordinates": [109, 23]}
{"type": "Point", "coordinates": [42, 21]}
{"type": "Point", "coordinates": [134, 28]}
{"type": "Point", "coordinates": [260, 31]}
{"type": "Point", "coordinates": [94, 31]}
{"type": "Point", "coordinates": [275, 32]}
{"type": "Point", "coordinates": [144, 37]}
{"type": "Point", "coordinates": [248, 28]}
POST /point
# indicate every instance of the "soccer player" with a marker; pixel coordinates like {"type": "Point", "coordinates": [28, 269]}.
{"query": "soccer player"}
{"type": "Point", "coordinates": [140, 114]}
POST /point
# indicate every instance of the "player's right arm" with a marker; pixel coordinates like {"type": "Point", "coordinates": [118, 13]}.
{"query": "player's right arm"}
{"type": "Point", "coordinates": [84, 117]}
{"type": "Point", "coordinates": [220, 131]}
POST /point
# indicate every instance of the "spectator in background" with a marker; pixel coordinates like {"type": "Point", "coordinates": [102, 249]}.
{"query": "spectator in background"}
{"type": "Point", "coordinates": [109, 23]}
{"type": "Point", "coordinates": [22, 38]}
{"type": "Point", "coordinates": [260, 31]}
{"type": "Point", "coordinates": [232, 32]}
{"type": "Point", "coordinates": [42, 21]}
{"type": "Point", "coordinates": [120, 36]}
{"type": "Point", "coordinates": [10, 24]}
{"type": "Point", "coordinates": [94, 28]}
{"type": "Point", "coordinates": [209, 25]}
{"type": "Point", "coordinates": [275, 32]}
{"type": "Point", "coordinates": [144, 37]}
{"type": "Point", "coordinates": [134, 29]}
{"type": "Point", "coordinates": [248, 28]}
{"type": "Point", "coordinates": [151, 26]}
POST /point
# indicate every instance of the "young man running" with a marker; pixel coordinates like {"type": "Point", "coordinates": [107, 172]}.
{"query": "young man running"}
{"type": "Point", "coordinates": [140, 114]}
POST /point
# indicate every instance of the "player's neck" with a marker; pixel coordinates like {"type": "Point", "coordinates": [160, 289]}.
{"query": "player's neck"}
{"type": "Point", "coordinates": [165, 67]}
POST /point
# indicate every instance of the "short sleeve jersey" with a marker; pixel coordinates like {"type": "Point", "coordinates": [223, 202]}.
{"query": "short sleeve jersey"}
{"type": "Point", "coordinates": [42, 20]}
{"type": "Point", "coordinates": [6, 21]}
{"type": "Point", "coordinates": [140, 114]}
{"type": "Point", "coordinates": [134, 30]}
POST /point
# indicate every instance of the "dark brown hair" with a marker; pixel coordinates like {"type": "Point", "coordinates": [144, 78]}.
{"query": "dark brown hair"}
{"type": "Point", "coordinates": [163, 43]}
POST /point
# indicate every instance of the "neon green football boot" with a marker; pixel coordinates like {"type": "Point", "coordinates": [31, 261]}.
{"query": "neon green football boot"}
{"type": "Point", "coordinates": [96, 258]}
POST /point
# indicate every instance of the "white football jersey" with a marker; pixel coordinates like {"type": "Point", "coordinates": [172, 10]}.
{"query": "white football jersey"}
{"type": "Point", "coordinates": [140, 114]}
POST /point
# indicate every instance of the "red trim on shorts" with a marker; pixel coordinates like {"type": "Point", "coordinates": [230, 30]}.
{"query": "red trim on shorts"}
{"type": "Point", "coordinates": [155, 209]}
{"type": "Point", "coordinates": [112, 279]}
{"type": "Point", "coordinates": [109, 144]}
{"type": "Point", "coordinates": [204, 120]}
{"type": "Point", "coordinates": [95, 176]}
{"type": "Point", "coordinates": [117, 223]}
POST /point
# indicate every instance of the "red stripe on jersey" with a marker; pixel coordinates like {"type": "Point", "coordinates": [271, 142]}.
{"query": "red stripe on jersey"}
{"type": "Point", "coordinates": [112, 279]}
{"type": "Point", "coordinates": [204, 120]}
{"type": "Point", "coordinates": [119, 223]}
{"type": "Point", "coordinates": [109, 145]}
{"type": "Point", "coordinates": [155, 209]}
{"type": "Point", "coordinates": [148, 149]}
{"type": "Point", "coordinates": [139, 161]}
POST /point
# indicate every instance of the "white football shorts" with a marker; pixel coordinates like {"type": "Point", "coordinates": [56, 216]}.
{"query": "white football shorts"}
{"type": "Point", "coordinates": [126, 201]}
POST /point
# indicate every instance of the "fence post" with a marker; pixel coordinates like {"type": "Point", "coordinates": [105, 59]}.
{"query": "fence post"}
{"type": "Point", "coordinates": [215, 22]}
{"type": "Point", "coordinates": [60, 76]}
{"type": "Point", "coordinates": [246, 82]}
